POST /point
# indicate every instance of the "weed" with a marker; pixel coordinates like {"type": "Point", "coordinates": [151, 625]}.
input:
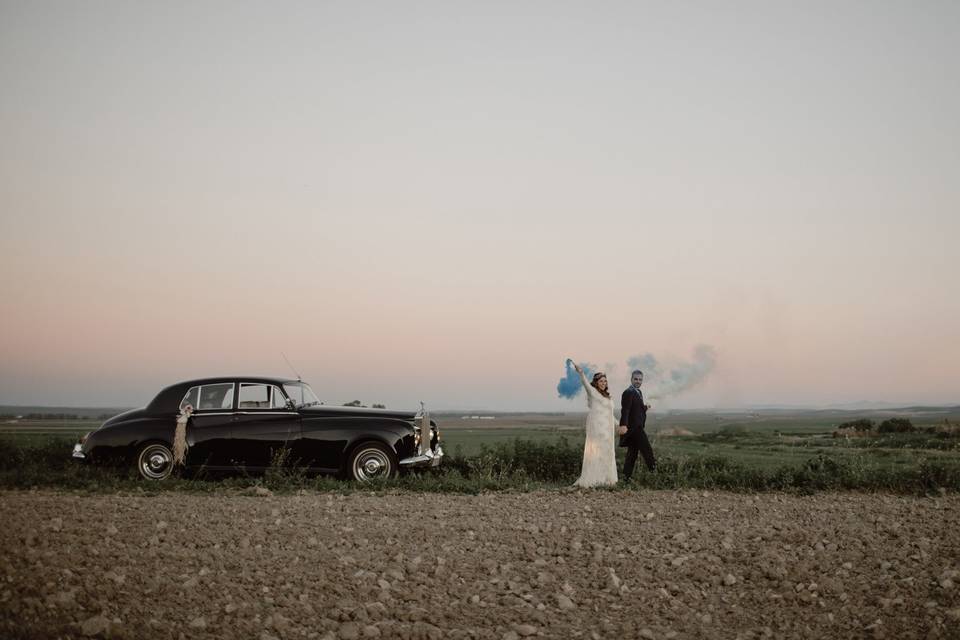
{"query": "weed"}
{"type": "Point", "coordinates": [516, 465]}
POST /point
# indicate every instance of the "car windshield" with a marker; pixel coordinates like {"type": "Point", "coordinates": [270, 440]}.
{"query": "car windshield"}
{"type": "Point", "coordinates": [301, 394]}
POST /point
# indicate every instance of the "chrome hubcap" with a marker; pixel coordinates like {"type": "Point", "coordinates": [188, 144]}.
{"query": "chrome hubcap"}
{"type": "Point", "coordinates": [156, 462]}
{"type": "Point", "coordinates": [370, 464]}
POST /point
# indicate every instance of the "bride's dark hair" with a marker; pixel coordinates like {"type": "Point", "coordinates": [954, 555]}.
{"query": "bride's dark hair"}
{"type": "Point", "coordinates": [593, 383]}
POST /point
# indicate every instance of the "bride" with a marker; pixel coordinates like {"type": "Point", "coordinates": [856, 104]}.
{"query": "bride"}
{"type": "Point", "coordinates": [599, 458]}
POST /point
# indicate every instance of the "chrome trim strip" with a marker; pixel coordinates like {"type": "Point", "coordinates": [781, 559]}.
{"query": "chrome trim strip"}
{"type": "Point", "coordinates": [311, 416]}
{"type": "Point", "coordinates": [385, 413]}
{"type": "Point", "coordinates": [266, 413]}
{"type": "Point", "coordinates": [200, 414]}
{"type": "Point", "coordinates": [429, 459]}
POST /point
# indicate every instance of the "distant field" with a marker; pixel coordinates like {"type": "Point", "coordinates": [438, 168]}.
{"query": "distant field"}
{"type": "Point", "coordinates": [26, 432]}
{"type": "Point", "coordinates": [24, 423]}
{"type": "Point", "coordinates": [781, 450]}
{"type": "Point", "coordinates": [785, 421]}
{"type": "Point", "coordinates": [755, 439]}
{"type": "Point", "coordinates": [762, 440]}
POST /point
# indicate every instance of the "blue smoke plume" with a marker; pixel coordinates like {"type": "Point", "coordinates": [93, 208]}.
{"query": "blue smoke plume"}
{"type": "Point", "coordinates": [569, 385]}
{"type": "Point", "coordinates": [675, 378]}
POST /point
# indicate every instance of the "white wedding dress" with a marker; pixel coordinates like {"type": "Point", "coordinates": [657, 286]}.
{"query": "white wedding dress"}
{"type": "Point", "coordinates": [599, 455]}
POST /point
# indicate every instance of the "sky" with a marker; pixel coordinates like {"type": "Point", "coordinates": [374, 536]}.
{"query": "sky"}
{"type": "Point", "coordinates": [443, 201]}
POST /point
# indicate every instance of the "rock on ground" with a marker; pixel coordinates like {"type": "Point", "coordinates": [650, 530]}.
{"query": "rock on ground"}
{"type": "Point", "coordinates": [582, 564]}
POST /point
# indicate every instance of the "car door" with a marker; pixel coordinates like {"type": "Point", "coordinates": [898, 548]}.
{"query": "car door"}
{"type": "Point", "coordinates": [265, 428]}
{"type": "Point", "coordinates": [209, 436]}
{"type": "Point", "coordinates": [325, 433]}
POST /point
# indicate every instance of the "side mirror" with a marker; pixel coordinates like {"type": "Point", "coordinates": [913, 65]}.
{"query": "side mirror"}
{"type": "Point", "coordinates": [291, 406]}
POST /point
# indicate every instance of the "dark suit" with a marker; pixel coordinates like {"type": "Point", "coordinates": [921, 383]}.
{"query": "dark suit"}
{"type": "Point", "coordinates": [633, 416]}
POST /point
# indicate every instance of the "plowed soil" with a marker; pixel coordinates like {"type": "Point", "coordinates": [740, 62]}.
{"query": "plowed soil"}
{"type": "Point", "coordinates": [559, 564]}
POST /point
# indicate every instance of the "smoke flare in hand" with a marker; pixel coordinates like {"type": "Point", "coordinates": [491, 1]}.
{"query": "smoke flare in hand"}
{"type": "Point", "coordinates": [660, 380]}
{"type": "Point", "coordinates": [569, 385]}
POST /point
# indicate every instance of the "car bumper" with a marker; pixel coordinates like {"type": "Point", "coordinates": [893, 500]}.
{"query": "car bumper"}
{"type": "Point", "coordinates": [426, 460]}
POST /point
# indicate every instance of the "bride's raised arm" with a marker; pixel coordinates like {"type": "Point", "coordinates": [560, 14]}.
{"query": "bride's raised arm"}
{"type": "Point", "coordinates": [583, 378]}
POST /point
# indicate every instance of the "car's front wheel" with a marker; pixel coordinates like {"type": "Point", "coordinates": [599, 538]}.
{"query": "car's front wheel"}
{"type": "Point", "coordinates": [371, 461]}
{"type": "Point", "coordinates": [155, 461]}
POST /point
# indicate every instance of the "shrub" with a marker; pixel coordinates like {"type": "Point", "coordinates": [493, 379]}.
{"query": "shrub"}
{"type": "Point", "coordinates": [529, 458]}
{"type": "Point", "coordinates": [518, 465]}
{"type": "Point", "coordinates": [858, 425]}
{"type": "Point", "coordinates": [283, 471]}
{"type": "Point", "coordinates": [896, 425]}
{"type": "Point", "coordinates": [53, 453]}
{"type": "Point", "coordinates": [11, 455]}
{"type": "Point", "coordinates": [726, 433]}
{"type": "Point", "coordinates": [931, 476]}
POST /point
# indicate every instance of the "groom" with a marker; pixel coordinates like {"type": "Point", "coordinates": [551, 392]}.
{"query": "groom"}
{"type": "Point", "coordinates": [633, 419]}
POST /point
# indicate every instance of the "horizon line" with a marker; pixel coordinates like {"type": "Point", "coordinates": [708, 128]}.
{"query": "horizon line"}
{"type": "Point", "coordinates": [864, 405]}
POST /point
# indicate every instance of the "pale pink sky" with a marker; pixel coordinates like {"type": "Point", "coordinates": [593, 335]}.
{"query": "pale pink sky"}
{"type": "Point", "coordinates": [442, 202]}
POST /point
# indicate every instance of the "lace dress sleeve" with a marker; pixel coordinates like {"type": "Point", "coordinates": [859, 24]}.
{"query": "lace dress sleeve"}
{"type": "Point", "coordinates": [588, 388]}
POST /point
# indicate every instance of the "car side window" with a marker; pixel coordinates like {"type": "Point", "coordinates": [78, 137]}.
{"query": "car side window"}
{"type": "Point", "coordinates": [190, 398]}
{"type": "Point", "coordinates": [255, 395]}
{"type": "Point", "coordinates": [279, 401]}
{"type": "Point", "coordinates": [216, 396]}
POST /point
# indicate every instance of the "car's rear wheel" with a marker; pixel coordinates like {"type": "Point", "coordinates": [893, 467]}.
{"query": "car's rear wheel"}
{"type": "Point", "coordinates": [155, 461]}
{"type": "Point", "coordinates": [372, 461]}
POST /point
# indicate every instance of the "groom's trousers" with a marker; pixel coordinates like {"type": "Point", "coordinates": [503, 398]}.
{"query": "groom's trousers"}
{"type": "Point", "coordinates": [638, 444]}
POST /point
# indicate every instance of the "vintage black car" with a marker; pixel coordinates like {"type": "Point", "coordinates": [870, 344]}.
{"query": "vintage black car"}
{"type": "Point", "coordinates": [253, 423]}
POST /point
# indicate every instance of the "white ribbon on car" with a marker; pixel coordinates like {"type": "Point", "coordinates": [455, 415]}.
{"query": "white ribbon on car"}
{"type": "Point", "coordinates": [180, 435]}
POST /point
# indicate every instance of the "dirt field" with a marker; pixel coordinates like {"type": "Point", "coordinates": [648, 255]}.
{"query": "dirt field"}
{"type": "Point", "coordinates": [552, 564]}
